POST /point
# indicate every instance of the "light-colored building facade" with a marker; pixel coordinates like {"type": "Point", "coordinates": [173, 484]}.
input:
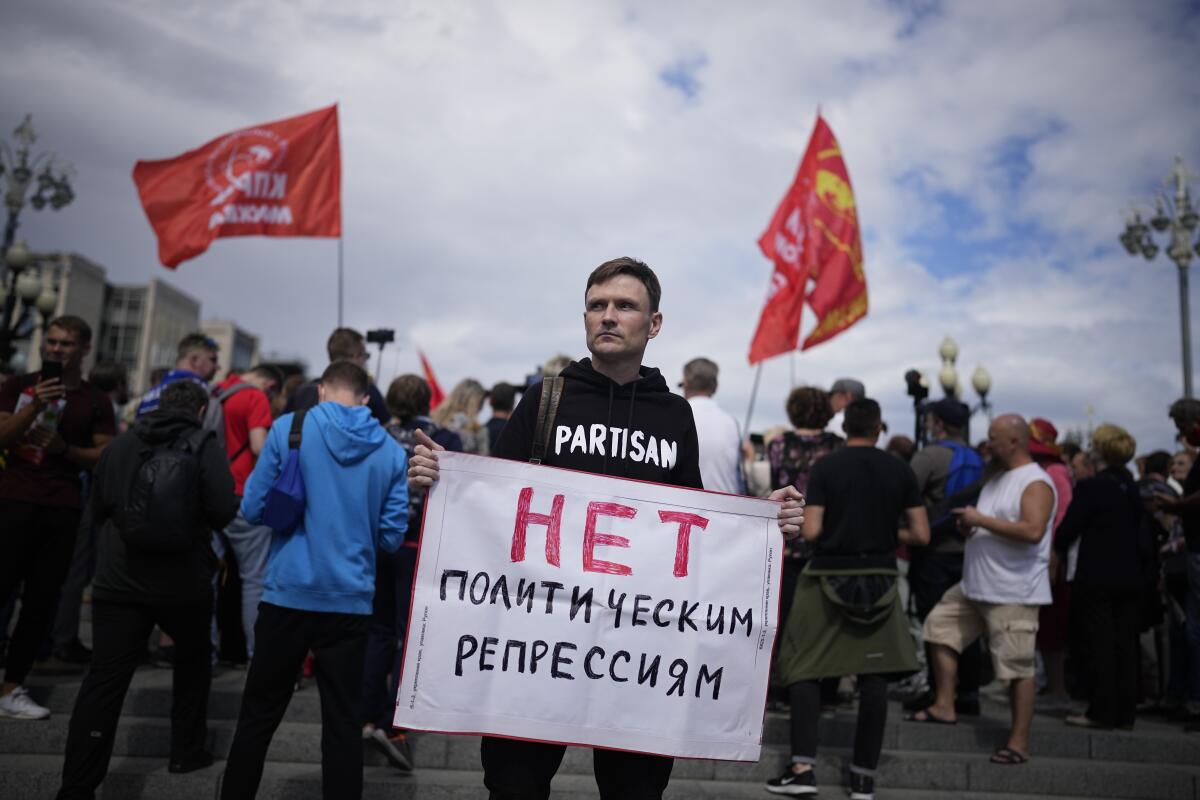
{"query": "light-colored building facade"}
{"type": "Point", "coordinates": [81, 289]}
{"type": "Point", "coordinates": [138, 326]}
{"type": "Point", "coordinates": [143, 326]}
{"type": "Point", "coordinates": [238, 347]}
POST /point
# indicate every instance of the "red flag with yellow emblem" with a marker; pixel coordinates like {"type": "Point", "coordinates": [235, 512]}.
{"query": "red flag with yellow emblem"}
{"type": "Point", "coordinates": [813, 235]}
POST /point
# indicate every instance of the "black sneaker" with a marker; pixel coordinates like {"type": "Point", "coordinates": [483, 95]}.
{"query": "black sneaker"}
{"type": "Point", "coordinates": [791, 783]}
{"type": "Point", "coordinates": [862, 787]}
{"type": "Point", "coordinates": [190, 763]}
{"type": "Point", "coordinates": [73, 652]}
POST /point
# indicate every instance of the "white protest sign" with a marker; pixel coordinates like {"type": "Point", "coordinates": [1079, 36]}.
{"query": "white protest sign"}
{"type": "Point", "coordinates": [560, 606]}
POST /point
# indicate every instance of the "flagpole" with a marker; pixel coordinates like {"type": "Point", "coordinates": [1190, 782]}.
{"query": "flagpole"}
{"type": "Point", "coordinates": [753, 395]}
{"type": "Point", "coordinates": [792, 367]}
{"type": "Point", "coordinates": [339, 282]}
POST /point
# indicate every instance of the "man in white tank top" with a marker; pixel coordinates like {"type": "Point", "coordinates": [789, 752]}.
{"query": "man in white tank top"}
{"type": "Point", "coordinates": [1005, 580]}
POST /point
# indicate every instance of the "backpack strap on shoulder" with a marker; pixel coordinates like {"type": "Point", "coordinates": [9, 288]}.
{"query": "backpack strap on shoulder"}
{"type": "Point", "coordinates": [552, 389]}
{"type": "Point", "coordinates": [297, 430]}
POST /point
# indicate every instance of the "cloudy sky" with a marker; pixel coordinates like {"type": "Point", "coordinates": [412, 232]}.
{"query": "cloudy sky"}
{"type": "Point", "coordinates": [493, 153]}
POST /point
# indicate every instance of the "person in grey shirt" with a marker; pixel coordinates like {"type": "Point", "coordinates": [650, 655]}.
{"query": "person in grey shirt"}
{"type": "Point", "coordinates": [935, 568]}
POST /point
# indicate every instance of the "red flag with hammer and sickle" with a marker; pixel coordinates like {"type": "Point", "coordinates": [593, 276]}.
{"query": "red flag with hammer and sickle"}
{"type": "Point", "coordinates": [813, 235]}
{"type": "Point", "coordinates": [278, 179]}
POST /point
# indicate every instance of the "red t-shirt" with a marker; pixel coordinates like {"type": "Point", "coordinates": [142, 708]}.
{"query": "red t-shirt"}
{"type": "Point", "coordinates": [42, 478]}
{"type": "Point", "coordinates": [244, 411]}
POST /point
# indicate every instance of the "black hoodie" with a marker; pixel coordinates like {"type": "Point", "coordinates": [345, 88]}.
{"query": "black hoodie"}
{"type": "Point", "coordinates": [133, 576]}
{"type": "Point", "coordinates": [636, 430]}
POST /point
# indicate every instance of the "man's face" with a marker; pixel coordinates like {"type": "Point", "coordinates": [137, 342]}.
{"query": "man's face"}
{"type": "Point", "coordinates": [1001, 442]}
{"type": "Point", "coordinates": [63, 346]}
{"type": "Point", "coordinates": [1181, 465]}
{"type": "Point", "coordinates": [1082, 466]}
{"type": "Point", "coordinates": [838, 401]}
{"type": "Point", "coordinates": [203, 362]}
{"type": "Point", "coordinates": [617, 319]}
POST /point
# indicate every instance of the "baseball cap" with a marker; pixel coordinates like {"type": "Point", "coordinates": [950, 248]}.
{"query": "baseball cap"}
{"type": "Point", "coordinates": [950, 411]}
{"type": "Point", "coordinates": [850, 386]}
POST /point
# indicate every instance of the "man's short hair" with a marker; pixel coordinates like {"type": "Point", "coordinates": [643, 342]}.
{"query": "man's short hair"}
{"type": "Point", "coordinates": [701, 375]}
{"type": "Point", "coordinates": [346, 375]}
{"type": "Point", "coordinates": [108, 376]}
{"type": "Point", "coordinates": [502, 396]}
{"type": "Point", "coordinates": [808, 407]}
{"type": "Point", "coordinates": [850, 386]}
{"type": "Point", "coordinates": [627, 266]}
{"type": "Point", "coordinates": [268, 373]}
{"type": "Point", "coordinates": [408, 397]}
{"type": "Point", "coordinates": [1114, 444]}
{"type": "Point", "coordinates": [1158, 462]}
{"type": "Point", "coordinates": [76, 326]}
{"type": "Point", "coordinates": [344, 344]}
{"type": "Point", "coordinates": [183, 399]}
{"type": "Point", "coordinates": [196, 341]}
{"type": "Point", "coordinates": [863, 418]}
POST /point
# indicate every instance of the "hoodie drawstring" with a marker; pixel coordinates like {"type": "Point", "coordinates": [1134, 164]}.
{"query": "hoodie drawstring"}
{"type": "Point", "coordinates": [608, 424]}
{"type": "Point", "coordinates": [629, 422]}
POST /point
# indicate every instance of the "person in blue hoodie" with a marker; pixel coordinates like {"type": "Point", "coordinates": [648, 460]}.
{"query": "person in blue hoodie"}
{"type": "Point", "coordinates": [320, 579]}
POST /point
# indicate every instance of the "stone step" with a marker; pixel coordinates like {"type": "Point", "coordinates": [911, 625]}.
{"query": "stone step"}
{"type": "Point", "coordinates": [1152, 742]}
{"type": "Point", "coordinates": [141, 738]}
{"type": "Point", "coordinates": [37, 778]}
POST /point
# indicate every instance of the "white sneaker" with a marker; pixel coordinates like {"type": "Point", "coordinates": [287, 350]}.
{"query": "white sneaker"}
{"type": "Point", "coordinates": [17, 705]}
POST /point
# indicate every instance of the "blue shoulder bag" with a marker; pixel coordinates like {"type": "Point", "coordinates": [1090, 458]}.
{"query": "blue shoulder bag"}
{"type": "Point", "coordinates": [283, 510]}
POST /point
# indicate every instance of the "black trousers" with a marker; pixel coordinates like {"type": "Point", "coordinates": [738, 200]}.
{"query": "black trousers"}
{"type": "Point", "coordinates": [283, 636]}
{"type": "Point", "coordinates": [514, 770]}
{"type": "Point", "coordinates": [38, 544]}
{"type": "Point", "coordinates": [381, 673]}
{"type": "Point", "coordinates": [120, 631]}
{"type": "Point", "coordinates": [930, 575]}
{"type": "Point", "coordinates": [1110, 617]}
{"type": "Point", "coordinates": [868, 732]}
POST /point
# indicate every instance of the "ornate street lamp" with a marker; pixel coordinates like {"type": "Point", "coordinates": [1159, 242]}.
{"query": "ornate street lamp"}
{"type": "Point", "coordinates": [981, 381]}
{"type": "Point", "coordinates": [51, 186]}
{"type": "Point", "coordinates": [1178, 216]}
{"type": "Point", "coordinates": [951, 383]}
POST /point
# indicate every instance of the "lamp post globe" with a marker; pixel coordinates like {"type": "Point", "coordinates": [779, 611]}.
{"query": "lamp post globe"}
{"type": "Point", "coordinates": [28, 286]}
{"type": "Point", "coordinates": [948, 378]}
{"type": "Point", "coordinates": [47, 300]}
{"type": "Point", "coordinates": [948, 350]}
{"type": "Point", "coordinates": [981, 381]}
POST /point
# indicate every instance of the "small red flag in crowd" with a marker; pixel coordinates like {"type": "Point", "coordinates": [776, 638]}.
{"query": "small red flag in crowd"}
{"type": "Point", "coordinates": [814, 234]}
{"type": "Point", "coordinates": [436, 395]}
{"type": "Point", "coordinates": [278, 179]}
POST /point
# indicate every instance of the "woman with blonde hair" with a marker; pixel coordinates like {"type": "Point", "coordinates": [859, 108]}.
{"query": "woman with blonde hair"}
{"type": "Point", "coordinates": [460, 413]}
{"type": "Point", "coordinates": [1105, 517]}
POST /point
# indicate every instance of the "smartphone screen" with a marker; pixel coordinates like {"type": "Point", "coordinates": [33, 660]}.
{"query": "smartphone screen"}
{"type": "Point", "coordinates": [51, 369]}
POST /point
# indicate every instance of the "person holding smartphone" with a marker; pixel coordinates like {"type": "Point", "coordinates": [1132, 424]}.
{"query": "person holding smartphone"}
{"type": "Point", "coordinates": [54, 425]}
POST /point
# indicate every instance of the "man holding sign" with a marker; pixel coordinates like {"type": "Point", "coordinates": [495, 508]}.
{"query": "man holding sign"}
{"type": "Point", "coordinates": [609, 416]}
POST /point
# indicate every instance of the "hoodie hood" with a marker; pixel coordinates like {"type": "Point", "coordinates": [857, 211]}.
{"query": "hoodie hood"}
{"type": "Point", "coordinates": [635, 430]}
{"type": "Point", "coordinates": [649, 379]}
{"type": "Point", "coordinates": [350, 433]}
{"type": "Point", "coordinates": [159, 426]}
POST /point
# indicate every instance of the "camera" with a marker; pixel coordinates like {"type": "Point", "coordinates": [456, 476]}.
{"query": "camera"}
{"type": "Point", "coordinates": [381, 336]}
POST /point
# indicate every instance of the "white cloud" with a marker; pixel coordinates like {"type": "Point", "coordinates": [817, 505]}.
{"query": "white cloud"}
{"type": "Point", "coordinates": [494, 153]}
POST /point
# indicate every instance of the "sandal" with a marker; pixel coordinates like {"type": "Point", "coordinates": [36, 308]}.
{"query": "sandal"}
{"type": "Point", "coordinates": [928, 718]}
{"type": "Point", "coordinates": [1006, 755]}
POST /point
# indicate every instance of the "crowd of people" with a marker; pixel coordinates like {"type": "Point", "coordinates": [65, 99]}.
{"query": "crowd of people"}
{"type": "Point", "coordinates": [1066, 578]}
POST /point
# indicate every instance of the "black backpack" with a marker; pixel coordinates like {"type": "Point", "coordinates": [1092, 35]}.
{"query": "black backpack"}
{"type": "Point", "coordinates": [160, 512]}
